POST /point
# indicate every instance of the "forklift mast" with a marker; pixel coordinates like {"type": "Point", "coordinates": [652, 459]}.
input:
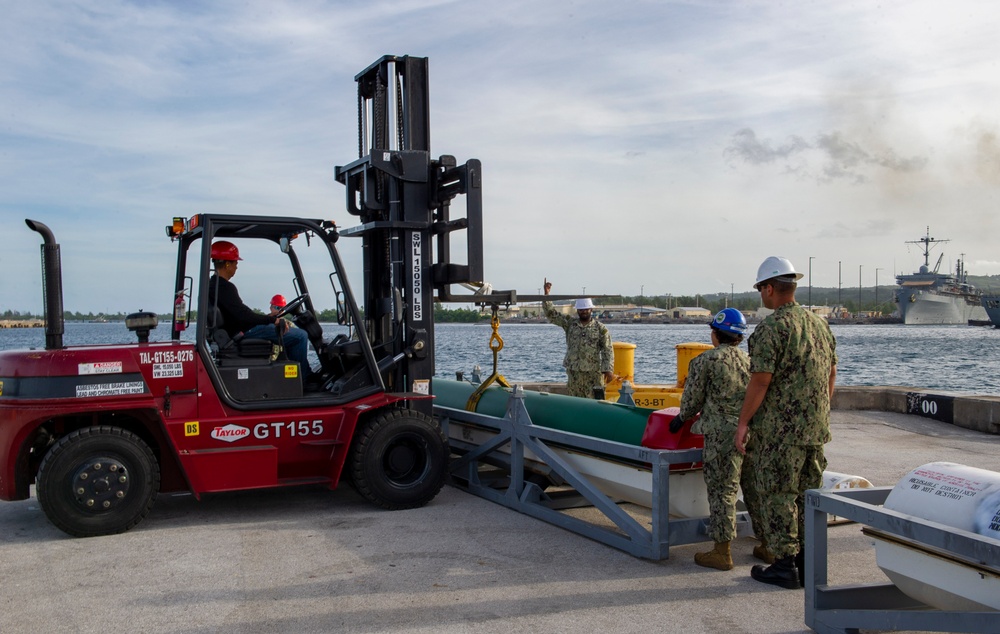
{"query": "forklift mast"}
{"type": "Point", "coordinates": [403, 200]}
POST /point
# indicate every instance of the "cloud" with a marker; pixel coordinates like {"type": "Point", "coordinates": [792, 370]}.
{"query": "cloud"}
{"type": "Point", "coordinates": [622, 146]}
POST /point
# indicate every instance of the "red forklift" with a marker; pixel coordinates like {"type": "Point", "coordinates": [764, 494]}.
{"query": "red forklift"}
{"type": "Point", "coordinates": [100, 430]}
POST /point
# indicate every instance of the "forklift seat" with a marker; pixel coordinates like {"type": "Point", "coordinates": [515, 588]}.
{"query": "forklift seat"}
{"type": "Point", "coordinates": [237, 347]}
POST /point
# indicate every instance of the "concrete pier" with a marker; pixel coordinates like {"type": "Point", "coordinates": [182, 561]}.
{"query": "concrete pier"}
{"type": "Point", "coordinates": [17, 323]}
{"type": "Point", "coordinates": [311, 560]}
{"type": "Point", "coordinates": [978, 413]}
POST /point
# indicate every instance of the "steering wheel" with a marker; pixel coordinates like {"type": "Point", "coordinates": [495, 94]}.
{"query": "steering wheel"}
{"type": "Point", "coordinates": [291, 306]}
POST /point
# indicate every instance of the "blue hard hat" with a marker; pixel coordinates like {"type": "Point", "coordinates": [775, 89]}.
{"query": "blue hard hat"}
{"type": "Point", "coordinates": [730, 320]}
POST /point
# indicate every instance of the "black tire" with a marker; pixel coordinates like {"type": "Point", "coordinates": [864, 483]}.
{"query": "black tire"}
{"type": "Point", "coordinates": [97, 481]}
{"type": "Point", "coordinates": [399, 459]}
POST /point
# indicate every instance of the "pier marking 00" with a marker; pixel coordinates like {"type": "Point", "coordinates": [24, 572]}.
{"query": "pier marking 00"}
{"type": "Point", "coordinates": [936, 406]}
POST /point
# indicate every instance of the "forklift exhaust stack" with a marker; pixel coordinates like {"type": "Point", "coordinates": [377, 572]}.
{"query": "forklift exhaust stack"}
{"type": "Point", "coordinates": [51, 286]}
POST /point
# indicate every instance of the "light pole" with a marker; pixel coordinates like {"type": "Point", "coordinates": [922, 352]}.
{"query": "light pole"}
{"type": "Point", "coordinates": [732, 285]}
{"type": "Point", "coordinates": [811, 258]}
{"type": "Point", "coordinates": [840, 283]}
{"type": "Point", "coordinates": [642, 293]}
{"type": "Point", "coordinates": [859, 289]}
{"type": "Point", "coordinates": [876, 287]}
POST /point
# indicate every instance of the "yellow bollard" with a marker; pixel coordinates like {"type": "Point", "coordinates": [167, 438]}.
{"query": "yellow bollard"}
{"type": "Point", "coordinates": [624, 367]}
{"type": "Point", "coordinates": [685, 353]}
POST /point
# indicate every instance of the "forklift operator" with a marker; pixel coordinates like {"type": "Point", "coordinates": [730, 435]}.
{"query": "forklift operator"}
{"type": "Point", "coordinates": [238, 317]}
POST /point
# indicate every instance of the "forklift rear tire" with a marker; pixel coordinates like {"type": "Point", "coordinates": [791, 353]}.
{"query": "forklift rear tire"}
{"type": "Point", "coordinates": [97, 481]}
{"type": "Point", "coordinates": [399, 459]}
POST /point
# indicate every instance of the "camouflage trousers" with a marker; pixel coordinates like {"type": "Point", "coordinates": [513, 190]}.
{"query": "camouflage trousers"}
{"type": "Point", "coordinates": [751, 498]}
{"type": "Point", "coordinates": [582, 382]}
{"type": "Point", "coordinates": [723, 466]}
{"type": "Point", "coordinates": [782, 474]}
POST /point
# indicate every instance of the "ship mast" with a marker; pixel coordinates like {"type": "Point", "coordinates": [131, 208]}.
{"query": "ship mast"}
{"type": "Point", "coordinates": [926, 241]}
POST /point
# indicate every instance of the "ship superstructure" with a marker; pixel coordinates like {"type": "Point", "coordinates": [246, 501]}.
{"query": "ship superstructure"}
{"type": "Point", "coordinates": [928, 297]}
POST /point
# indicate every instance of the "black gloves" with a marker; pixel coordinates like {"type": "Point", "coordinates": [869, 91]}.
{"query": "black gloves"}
{"type": "Point", "coordinates": [676, 424]}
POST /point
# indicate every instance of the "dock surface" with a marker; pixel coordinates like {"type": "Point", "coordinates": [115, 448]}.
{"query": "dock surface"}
{"type": "Point", "coordinates": [311, 560]}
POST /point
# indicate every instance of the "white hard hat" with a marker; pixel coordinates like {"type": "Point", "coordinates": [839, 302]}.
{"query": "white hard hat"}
{"type": "Point", "coordinates": [584, 304]}
{"type": "Point", "coordinates": [777, 266]}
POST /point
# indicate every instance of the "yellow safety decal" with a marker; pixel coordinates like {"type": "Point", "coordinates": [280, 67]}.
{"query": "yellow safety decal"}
{"type": "Point", "coordinates": [191, 429]}
{"type": "Point", "coordinates": [291, 371]}
{"type": "Point", "coordinates": [1, 388]}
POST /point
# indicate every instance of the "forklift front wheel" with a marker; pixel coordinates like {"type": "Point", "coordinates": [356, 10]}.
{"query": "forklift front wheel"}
{"type": "Point", "coordinates": [399, 459]}
{"type": "Point", "coordinates": [97, 481]}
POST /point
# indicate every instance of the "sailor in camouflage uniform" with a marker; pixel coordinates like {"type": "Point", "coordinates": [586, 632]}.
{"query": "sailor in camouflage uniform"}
{"type": "Point", "coordinates": [589, 355]}
{"type": "Point", "coordinates": [716, 384]}
{"type": "Point", "coordinates": [793, 365]}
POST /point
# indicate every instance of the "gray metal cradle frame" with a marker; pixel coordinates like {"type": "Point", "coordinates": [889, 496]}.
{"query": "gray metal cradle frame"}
{"type": "Point", "coordinates": [510, 488]}
{"type": "Point", "coordinates": [847, 609]}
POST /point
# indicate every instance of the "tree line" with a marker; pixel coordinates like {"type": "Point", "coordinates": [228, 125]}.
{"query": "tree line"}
{"type": "Point", "coordinates": [441, 314]}
{"type": "Point", "coordinates": [868, 300]}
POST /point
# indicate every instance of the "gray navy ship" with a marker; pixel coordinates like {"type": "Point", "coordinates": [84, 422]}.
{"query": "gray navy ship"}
{"type": "Point", "coordinates": [928, 297]}
{"type": "Point", "coordinates": [992, 305]}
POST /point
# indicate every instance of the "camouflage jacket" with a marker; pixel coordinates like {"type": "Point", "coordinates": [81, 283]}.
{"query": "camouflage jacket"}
{"type": "Point", "coordinates": [716, 384]}
{"type": "Point", "coordinates": [799, 351]}
{"type": "Point", "coordinates": [588, 346]}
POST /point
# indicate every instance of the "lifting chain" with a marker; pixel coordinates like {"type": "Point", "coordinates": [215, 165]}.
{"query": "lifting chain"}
{"type": "Point", "coordinates": [400, 132]}
{"type": "Point", "coordinates": [496, 345]}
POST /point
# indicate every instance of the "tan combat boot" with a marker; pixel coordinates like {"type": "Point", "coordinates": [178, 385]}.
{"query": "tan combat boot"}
{"type": "Point", "coordinates": [718, 558]}
{"type": "Point", "coordinates": [761, 552]}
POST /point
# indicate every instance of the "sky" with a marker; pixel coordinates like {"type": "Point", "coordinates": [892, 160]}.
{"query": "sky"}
{"type": "Point", "coordinates": [628, 148]}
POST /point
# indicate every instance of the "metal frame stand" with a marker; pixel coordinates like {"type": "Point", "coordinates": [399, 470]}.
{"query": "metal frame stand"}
{"type": "Point", "coordinates": [516, 431]}
{"type": "Point", "coordinates": [847, 609]}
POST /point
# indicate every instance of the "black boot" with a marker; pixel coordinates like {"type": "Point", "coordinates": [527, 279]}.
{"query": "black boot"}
{"type": "Point", "coordinates": [781, 573]}
{"type": "Point", "coordinates": [800, 565]}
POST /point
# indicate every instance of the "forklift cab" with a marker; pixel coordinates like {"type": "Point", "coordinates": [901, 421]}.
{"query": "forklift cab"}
{"type": "Point", "coordinates": [281, 254]}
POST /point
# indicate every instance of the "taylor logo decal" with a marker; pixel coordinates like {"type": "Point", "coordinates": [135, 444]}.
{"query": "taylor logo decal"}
{"type": "Point", "coordinates": [230, 433]}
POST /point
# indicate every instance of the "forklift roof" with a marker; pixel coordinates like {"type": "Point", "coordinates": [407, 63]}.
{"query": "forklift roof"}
{"type": "Point", "coordinates": [261, 227]}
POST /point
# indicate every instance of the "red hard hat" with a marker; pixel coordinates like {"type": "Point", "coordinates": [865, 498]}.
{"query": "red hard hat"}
{"type": "Point", "coordinates": [225, 251]}
{"type": "Point", "coordinates": [279, 301]}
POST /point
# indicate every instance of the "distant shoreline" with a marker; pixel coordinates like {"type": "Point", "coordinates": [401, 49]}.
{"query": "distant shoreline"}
{"type": "Point", "coordinates": [657, 321]}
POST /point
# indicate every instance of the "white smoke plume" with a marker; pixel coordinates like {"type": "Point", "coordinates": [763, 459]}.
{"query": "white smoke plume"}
{"type": "Point", "coordinates": [829, 157]}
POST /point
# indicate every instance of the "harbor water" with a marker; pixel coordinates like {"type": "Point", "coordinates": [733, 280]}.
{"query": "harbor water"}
{"type": "Point", "coordinates": [960, 359]}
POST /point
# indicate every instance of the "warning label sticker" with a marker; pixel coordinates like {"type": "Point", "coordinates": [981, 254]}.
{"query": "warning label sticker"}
{"type": "Point", "coordinates": [110, 389]}
{"type": "Point", "coordinates": [945, 485]}
{"type": "Point", "coordinates": [104, 367]}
